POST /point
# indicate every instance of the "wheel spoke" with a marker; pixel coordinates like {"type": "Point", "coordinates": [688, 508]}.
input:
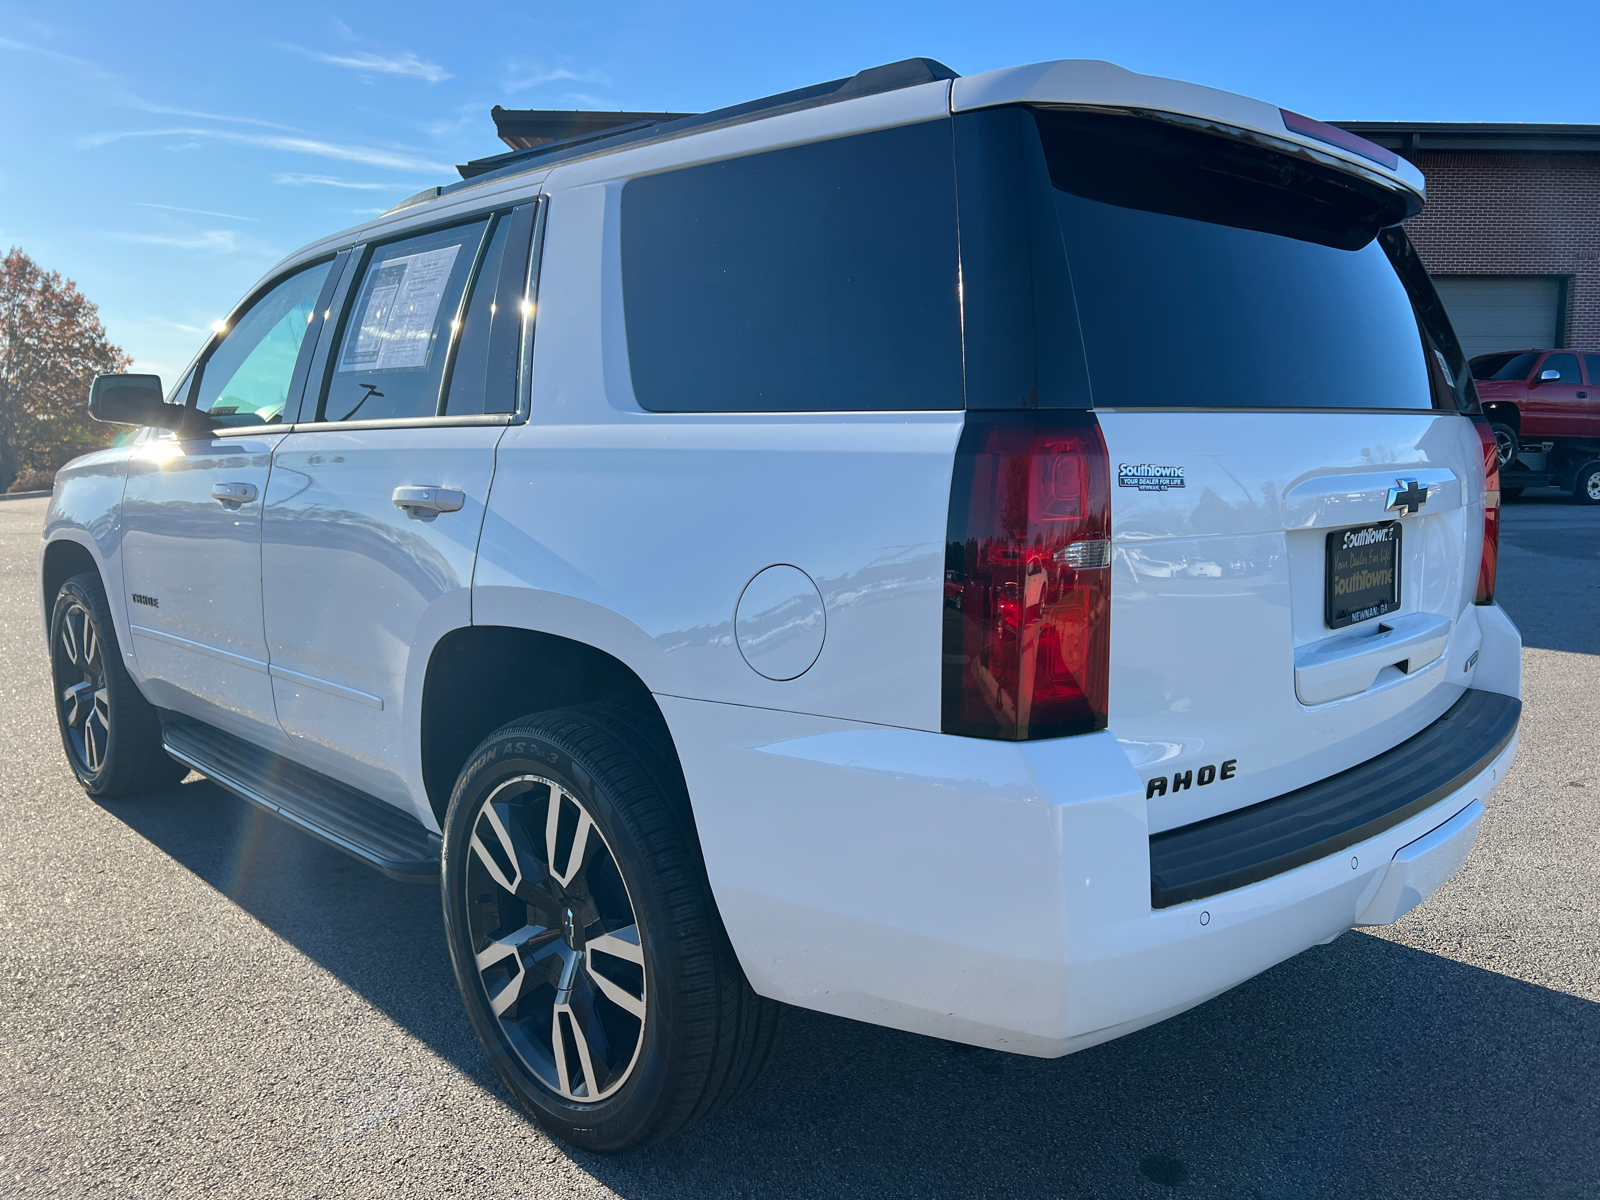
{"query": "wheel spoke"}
{"type": "Point", "coordinates": [580, 1044]}
{"type": "Point", "coordinates": [501, 840]}
{"type": "Point", "coordinates": [69, 637]}
{"type": "Point", "coordinates": [91, 642]}
{"type": "Point", "coordinates": [552, 835]}
{"type": "Point", "coordinates": [76, 696]}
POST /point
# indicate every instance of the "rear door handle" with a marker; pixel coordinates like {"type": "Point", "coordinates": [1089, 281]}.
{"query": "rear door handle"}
{"type": "Point", "coordinates": [428, 502]}
{"type": "Point", "coordinates": [233, 494]}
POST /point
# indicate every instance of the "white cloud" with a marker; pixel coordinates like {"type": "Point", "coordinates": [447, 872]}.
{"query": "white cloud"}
{"type": "Point", "coordinates": [398, 64]}
{"type": "Point", "coordinates": [168, 111]}
{"type": "Point", "coordinates": [370, 156]}
{"type": "Point", "coordinates": [295, 179]}
{"type": "Point", "coordinates": [223, 241]}
{"type": "Point", "coordinates": [23, 47]}
{"type": "Point", "coordinates": [199, 212]}
{"type": "Point", "coordinates": [536, 76]}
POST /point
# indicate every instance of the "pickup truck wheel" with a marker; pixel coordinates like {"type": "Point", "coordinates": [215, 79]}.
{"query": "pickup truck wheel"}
{"type": "Point", "coordinates": [110, 732]}
{"type": "Point", "coordinates": [1506, 442]}
{"type": "Point", "coordinates": [593, 964]}
{"type": "Point", "coordinates": [1586, 483]}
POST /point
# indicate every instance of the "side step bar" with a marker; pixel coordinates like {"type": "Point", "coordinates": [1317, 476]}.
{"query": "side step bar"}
{"type": "Point", "coordinates": [379, 834]}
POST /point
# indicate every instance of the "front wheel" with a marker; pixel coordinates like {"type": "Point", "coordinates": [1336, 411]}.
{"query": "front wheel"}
{"type": "Point", "coordinates": [1507, 445]}
{"type": "Point", "coordinates": [110, 732]}
{"type": "Point", "coordinates": [588, 950]}
{"type": "Point", "coordinates": [1586, 483]}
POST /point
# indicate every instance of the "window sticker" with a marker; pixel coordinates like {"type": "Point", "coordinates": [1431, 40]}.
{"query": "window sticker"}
{"type": "Point", "coordinates": [402, 305]}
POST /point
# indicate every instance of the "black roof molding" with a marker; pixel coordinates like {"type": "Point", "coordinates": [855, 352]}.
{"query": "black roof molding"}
{"type": "Point", "coordinates": [525, 128]}
{"type": "Point", "coordinates": [1409, 137]}
{"type": "Point", "coordinates": [598, 136]}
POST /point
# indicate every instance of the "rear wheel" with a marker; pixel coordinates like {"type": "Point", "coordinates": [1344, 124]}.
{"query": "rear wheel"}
{"type": "Point", "coordinates": [1506, 443]}
{"type": "Point", "coordinates": [1586, 483]}
{"type": "Point", "coordinates": [589, 954]}
{"type": "Point", "coordinates": [110, 732]}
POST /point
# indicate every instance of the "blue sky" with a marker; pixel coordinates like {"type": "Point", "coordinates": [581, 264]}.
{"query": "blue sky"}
{"type": "Point", "coordinates": [165, 156]}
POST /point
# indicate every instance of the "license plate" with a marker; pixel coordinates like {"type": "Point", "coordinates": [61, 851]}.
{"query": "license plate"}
{"type": "Point", "coordinates": [1363, 573]}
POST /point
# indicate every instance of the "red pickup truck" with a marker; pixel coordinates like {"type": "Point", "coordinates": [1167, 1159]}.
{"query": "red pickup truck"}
{"type": "Point", "coordinates": [1545, 401]}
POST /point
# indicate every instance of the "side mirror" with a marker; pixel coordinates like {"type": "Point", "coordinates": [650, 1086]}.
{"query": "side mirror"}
{"type": "Point", "coordinates": [1547, 376]}
{"type": "Point", "coordinates": [132, 400]}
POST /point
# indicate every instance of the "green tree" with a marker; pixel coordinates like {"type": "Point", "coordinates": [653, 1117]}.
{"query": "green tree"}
{"type": "Point", "coordinates": [52, 345]}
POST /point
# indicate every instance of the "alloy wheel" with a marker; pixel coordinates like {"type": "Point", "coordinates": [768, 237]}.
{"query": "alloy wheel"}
{"type": "Point", "coordinates": [555, 938]}
{"type": "Point", "coordinates": [1504, 447]}
{"type": "Point", "coordinates": [81, 688]}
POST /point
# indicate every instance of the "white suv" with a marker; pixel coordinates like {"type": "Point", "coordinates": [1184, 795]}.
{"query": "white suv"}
{"type": "Point", "coordinates": [1005, 558]}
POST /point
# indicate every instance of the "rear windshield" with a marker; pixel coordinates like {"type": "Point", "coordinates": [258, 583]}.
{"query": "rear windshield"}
{"type": "Point", "coordinates": [1209, 273]}
{"type": "Point", "coordinates": [1504, 366]}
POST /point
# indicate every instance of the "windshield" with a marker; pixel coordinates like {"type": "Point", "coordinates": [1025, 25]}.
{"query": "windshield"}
{"type": "Point", "coordinates": [1504, 366]}
{"type": "Point", "coordinates": [1209, 277]}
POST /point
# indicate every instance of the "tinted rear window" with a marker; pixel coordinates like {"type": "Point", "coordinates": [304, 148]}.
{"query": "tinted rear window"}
{"type": "Point", "coordinates": [819, 277]}
{"type": "Point", "coordinates": [1212, 276]}
{"type": "Point", "coordinates": [1504, 366]}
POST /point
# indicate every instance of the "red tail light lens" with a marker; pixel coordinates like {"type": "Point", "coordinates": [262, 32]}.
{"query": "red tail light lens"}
{"type": "Point", "coordinates": [1027, 629]}
{"type": "Point", "coordinates": [1489, 559]}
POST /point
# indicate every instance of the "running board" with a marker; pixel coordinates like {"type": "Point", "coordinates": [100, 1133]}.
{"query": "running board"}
{"type": "Point", "coordinates": [364, 827]}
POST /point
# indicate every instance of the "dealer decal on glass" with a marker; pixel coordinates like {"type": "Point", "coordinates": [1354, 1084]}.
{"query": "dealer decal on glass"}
{"type": "Point", "coordinates": [1363, 573]}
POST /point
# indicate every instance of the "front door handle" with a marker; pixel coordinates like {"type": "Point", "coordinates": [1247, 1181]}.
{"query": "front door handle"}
{"type": "Point", "coordinates": [233, 495]}
{"type": "Point", "coordinates": [428, 502]}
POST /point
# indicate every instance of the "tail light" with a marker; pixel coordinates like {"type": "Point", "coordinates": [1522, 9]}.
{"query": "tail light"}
{"type": "Point", "coordinates": [1489, 558]}
{"type": "Point", "coordinates": [1027, 631]}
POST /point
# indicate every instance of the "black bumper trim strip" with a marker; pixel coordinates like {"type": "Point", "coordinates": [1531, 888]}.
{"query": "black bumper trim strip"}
{"type": "Point", "coordinates": [1251, 844]}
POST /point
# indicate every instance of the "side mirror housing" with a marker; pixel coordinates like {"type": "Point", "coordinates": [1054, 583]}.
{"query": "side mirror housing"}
{"type": "Point", "coordinates": [1546, 376]}
{"type": "Point", "coordinates": [132, 400]}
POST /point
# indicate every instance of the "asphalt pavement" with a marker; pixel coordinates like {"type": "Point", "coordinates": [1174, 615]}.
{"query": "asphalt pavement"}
{"type": "Point", "coordinates": [196, 1000]}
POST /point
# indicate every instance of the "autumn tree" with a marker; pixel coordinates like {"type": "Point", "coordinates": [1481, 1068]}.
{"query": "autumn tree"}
{"type": "Point", "coordinates": [51, 347]}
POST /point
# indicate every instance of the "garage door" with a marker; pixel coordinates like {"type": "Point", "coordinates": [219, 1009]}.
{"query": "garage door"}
{"type": "Point", "coordinates": [1502, 312]}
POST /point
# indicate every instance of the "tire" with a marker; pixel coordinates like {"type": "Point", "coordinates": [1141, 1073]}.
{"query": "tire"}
{"type": "Point", "coordinates": [1510, 493]}
{"type": "Point", "coordinates": [662, 1028]}
{"type": "Point", "coordinates": [1586, 483]}
{"type": "Point", "coordinates": [1507, 442]}
{"type": "Point", "coordinates": [110, 732]}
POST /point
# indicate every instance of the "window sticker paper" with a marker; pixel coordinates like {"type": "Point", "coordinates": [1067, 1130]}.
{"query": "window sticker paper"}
{"type": "Point", "coordinates": [403, 298]}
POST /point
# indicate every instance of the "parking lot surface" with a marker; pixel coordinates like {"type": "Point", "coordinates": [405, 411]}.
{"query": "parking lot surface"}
{"type": "Point", "coordinates": [196, 1000]}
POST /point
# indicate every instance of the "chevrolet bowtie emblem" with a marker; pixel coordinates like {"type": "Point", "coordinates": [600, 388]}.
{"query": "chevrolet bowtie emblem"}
{"type": "Point", "coordinates": [1407, 497]}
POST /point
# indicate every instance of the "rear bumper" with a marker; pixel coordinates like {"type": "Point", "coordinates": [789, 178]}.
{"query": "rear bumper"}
{"type": "Point", "coordinates": [999, 894]}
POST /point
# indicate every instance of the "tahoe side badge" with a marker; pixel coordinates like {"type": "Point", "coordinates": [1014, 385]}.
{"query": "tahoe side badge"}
{"type": "Point", "coordinates": [1148, 477]}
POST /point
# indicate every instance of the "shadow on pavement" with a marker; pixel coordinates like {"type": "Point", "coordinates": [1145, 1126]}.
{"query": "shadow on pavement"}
{"type": "Point", "coordinates": [1363, 1068]}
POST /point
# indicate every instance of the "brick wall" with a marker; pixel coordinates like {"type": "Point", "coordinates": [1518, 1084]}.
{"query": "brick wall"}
{"type": "Point", "coordinates": [1516, 214]}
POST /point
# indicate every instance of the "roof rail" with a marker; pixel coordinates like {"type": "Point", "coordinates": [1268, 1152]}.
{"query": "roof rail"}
{"type": "Point", "coordinates": [600, 132]}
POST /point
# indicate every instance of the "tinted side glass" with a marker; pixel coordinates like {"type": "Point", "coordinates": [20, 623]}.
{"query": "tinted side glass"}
{"type": "Point", "coordinates": [398, 330]}
{"type": "Point", "coordinates": [246, 379]}
{"type": "Point", "coordinates": [469, 371]}
{"type": "Point", "coordinates": [1567, 364]}
{"type": "Point", "coordinates": [1592, 362]}
{"type": "Point", "coordinates": [1504, 366]}
{"type": "Point", "coordinates": [806, 279]}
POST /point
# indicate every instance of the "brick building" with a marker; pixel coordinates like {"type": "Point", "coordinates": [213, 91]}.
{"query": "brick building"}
{"type": "Point", "coordinates": [1511, 232]}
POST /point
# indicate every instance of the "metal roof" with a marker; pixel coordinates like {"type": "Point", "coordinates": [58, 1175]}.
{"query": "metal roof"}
{"type": "Point", "coordinates": [1409, 137]}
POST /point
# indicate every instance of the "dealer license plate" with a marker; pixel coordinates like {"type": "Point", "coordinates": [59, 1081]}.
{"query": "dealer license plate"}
{"type": "Point", "coordinates": [1363, 573]}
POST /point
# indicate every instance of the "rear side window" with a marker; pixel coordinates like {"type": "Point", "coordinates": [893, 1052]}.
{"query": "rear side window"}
{"type": "Point", "coordinates": [398, 331]}
{"type": "Point", "coordinates": [1504, 366]}
{"type": "Point", "coordinates": [1592, 361]}
{"type": "Point", "coordinates": [815, 278]}
{"type": "Point", "coordinates": [1567, 364]}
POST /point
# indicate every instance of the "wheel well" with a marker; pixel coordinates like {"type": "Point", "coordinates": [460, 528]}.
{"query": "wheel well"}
{"type": "Point", "coordinates": [480, 678]}
{"type": "Point", "coordinates": [62, 560]}
{"type": "Point", "coordinates": [1505, 414]}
